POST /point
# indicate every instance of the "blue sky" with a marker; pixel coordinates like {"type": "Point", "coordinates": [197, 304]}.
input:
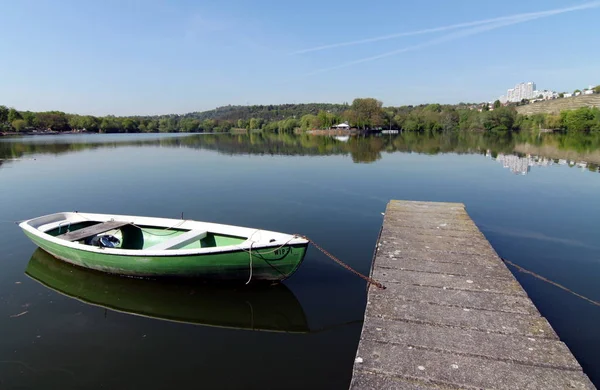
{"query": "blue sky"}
{"type": "Point", "coordinates": [156, 57]}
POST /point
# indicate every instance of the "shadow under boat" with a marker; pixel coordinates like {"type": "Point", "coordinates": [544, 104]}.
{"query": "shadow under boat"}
{"type": "Point", "coordinates": [260, 308]}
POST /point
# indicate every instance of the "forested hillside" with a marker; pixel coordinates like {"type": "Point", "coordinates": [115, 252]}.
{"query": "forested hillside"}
{"type": "Point", "coordinates": [363, 113]}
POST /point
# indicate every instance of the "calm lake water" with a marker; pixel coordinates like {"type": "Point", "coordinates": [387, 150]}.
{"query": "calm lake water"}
{"type": "Point", "coordinates": [540, 212]}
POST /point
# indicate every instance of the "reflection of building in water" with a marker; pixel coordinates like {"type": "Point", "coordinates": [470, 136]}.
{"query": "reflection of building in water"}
{"type": "Point", "coordinates": [516, 164]}
{"type": "Point", "coordinates": [522, 165]}
{"type": "Point", "coordinates": [342, 138]}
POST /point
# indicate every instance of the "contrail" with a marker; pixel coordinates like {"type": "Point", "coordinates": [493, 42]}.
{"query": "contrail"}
{"type": "Point", "coordinates": [534, 15]}
{"type": "Point", "coordinates": [456, 35]}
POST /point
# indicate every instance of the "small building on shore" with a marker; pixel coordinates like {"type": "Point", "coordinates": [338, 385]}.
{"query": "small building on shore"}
{"type": "Point", "coordinates": [341, 126]}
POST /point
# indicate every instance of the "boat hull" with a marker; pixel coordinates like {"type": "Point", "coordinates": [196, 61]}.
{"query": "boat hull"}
{"type": "Point", "coordinates": [267, 263]}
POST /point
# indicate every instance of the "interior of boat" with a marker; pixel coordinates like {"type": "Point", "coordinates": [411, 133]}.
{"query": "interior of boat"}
{"type": "Point", "coordinates": [136, 237]}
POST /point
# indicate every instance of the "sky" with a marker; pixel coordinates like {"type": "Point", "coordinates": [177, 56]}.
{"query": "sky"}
{"type": "Point", "coordinates": [143, 57]}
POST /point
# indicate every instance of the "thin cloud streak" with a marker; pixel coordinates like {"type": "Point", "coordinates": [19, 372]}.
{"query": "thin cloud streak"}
{"type": "Point", "coordinates": [445, 38]}
{"type": "Point", "coordinates": [453, 36]}
{"type": "Point", "coordinates": [534, 15]}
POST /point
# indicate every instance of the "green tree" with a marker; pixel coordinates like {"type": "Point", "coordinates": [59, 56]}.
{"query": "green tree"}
{"type": "Point", "coordinates": [576, 91]}
{"type": "Point", "coordinates": [561, 95]}
{"type": "Point", "coordinates": [3, 114]}
{"type": "Point", "coordinates": [412, 125]}
{"type": "Point", "coordinates": [287, 125]}
{"type": "Point", "coordinates": [209, 125]}
{"type": "Point", "coordinates": [553, 122]}
{"type": "Point", "coordinates": [152, 126]}
{"type": "Point", "coordinates": [449, 120]}
{"type": "Point", "coordinates": [597, 89]}
{"type": "Point", "coordinates": [111, 124]}
{"type": "Point", "coordinates": [434, 107]}
{"type": "Point", "coordinates": [167, 125]}
{"type": "Point", "coordinates": [74, 121]}
{"type": "Point", "coordinates": [90, 123]}
{"type": "Point", "coordinates": [19, 124]}
{"type": "Point", "coordinates": [368, 112]}
{"type": "Point", "coordinates": [189, 125]}
{"type": "Point", "coordinates": [255, 124]}
{"type": "Point", "coordinates": [30, 118]}
{"type": "Point", "coordinates": [323, 120]}
{"type": "Point", "coordinates": [129, 125]}
{"type": "Point", "coordinates": [13, 115]}
{"type": "Point", "coordinates": [502, 119]}
{"type": "Point", "coordinates": [388, 116]}
{"type": "Point", "coordinates": [224, 126]}
{"type": "Point", "coordinates": [53, 120]}
{"type": "Point", "coordinates": [497, 104]}
{"type": "Point", "coordinates": [309, 122]}
{"type": "Point", "coordinates": [583, 119]}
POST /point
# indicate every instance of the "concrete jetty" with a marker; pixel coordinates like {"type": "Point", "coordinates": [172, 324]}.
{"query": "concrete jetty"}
{"type": "Point", "coordinates": [452, 316]}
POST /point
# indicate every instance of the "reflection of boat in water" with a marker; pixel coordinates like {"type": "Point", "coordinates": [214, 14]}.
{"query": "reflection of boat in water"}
{"type": "Point", "coordinates": [267, 308]}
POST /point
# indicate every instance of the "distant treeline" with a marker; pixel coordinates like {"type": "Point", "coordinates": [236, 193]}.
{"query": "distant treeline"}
{"type": "Point", "coordinates": [363, 113]}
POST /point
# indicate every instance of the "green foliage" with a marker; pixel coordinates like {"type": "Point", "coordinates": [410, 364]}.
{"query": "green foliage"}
{"type": "Point", "coordinates": [597, 89]}
{"type": "Point", "coordinates": [255, 123]}
{"type": "Point", "coordinates": [367, 113]}
{"type": "Point", "coordinates": [110, 124]}
{"type": "Point", "coordinates": [189, 125]}
{"type": "Point", "coordinates": [130, 125]}
{"type": "Point", "coordinates": [309, 122]}
{"type": "Point", "coordinates": [576, 91]}
{"type": "Point", "coordinates": [561, 95]}
{"type": "Point", "coordinates": [209, 125]}
{"type": "Point", "coordinates": [3, 114]}
{"type": "Point", "coordinates": [19, 124]}
{"type": "Point", "coordinates": [584, 119]}
{"type": "Point", "coordinates": [30, 118]}
{"type": "Point", "coordinates": [268, 113]}
{"type": "Point", "coordinates": [13, 115]}
{"type": "Point", "coordinates": [287, 125]}
{"type": "Point", "coordinates": [434, 108]}
{"type": "Point", "coordinates": [52, 120]}
{"type": "Point", "coordinates": [364, 113]}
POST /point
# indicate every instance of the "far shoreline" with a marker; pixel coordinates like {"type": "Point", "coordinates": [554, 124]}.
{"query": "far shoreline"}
{"type": "Point", "coordinates": [47, 133]}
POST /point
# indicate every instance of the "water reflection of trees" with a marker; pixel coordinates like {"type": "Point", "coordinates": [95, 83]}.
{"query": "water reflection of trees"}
{"type": "Point", "coordinates": [362, 149]}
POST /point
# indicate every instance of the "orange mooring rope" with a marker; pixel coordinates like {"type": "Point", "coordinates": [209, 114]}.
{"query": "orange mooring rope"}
{"type": "Point", "coordinates": [346, 266]}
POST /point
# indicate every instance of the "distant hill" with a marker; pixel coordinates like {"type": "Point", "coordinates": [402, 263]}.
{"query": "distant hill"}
{"type": "Point", "coordinates": [267, 112]}
{"type": "Point", "coordinates": [557, 105]}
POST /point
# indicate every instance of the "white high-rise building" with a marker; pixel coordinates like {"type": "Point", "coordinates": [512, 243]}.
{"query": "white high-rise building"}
{"type": "Point", "coordinates": [521, 91]}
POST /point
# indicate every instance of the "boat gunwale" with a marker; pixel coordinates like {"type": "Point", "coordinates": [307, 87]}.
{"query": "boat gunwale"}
{"type": "Point", "coordinates": [285, 240]}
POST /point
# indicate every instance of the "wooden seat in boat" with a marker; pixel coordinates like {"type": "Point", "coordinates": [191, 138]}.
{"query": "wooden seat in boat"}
{"type": "Point", "coordinates": [179, 241]}
{"type": "Point", "coordinates": [92, 230]}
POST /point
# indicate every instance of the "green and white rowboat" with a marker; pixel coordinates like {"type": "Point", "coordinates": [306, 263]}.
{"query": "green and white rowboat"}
{"type": "Point", "coordinates": [161, 247]}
